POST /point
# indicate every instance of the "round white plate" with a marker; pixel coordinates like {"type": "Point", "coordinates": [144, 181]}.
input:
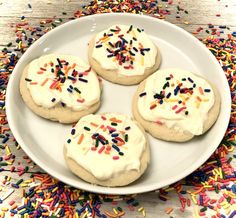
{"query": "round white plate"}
{"type": "Point", "coordinates": [43, 140]}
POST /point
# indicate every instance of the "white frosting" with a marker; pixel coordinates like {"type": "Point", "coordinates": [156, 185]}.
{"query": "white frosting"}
{"type": "Point", "coordinates": [140, 62]}
{"type": "Point", "coordinates": [198, 103]}
{"type": "Point", "coordinates": [48, 97]}
{"type": "Point", "coordinates": [102, 165]}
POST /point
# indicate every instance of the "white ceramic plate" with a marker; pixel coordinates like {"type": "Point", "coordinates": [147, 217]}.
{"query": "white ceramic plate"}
{"type": "Point", "coordinates": [43, 140]}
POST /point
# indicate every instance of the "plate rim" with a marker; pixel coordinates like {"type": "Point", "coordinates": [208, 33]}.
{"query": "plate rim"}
{"type": "Point", "coordinates": [100, 189]}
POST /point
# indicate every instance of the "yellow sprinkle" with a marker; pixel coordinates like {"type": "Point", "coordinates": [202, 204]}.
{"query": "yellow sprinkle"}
{"type": "Point", "coordinates": [9, 162]}
{"type": "Point", "coordinates": [48, 200]}
{"type": "Point", "coordinates": [144, 212]}
{"type": "Point", "coordinates": [228, 211]}
{"type": "Point", "coordinates": [142, 61]}
{"type": "Point", "coordinates": [169, 189]}
{"type": "Point", "coordinates": [54, 189]}
{"type": "Point", "coordinates": [194, 199]}
{"type": "Point", "coordinates": [85, 214]}
{"type": "Point", "coordinates": [211, 162]}
{"type": "Point", "coordinates": [4, 209]}
{"type": "Point", "coordinates": [115, 211]}
{"type": "Point", "coordinates": [220, 172]}
{"type": "Point", "coordinates": [140, 209]}
{"type": "Point", "coordinates": [8, 150]}
{"type": "Point", "coordinates": [196, 213]}
{"type": "Point", "coordinates": [22, 210]}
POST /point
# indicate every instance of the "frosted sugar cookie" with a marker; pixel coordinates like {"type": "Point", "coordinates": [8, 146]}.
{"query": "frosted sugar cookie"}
{"type": "Point", "coordinates": [123, 54]}
{"type": "Point", "coordinates": [60, 88]}
{"type": "Point", "coordinates": [107, 149]}
{"type": "Point", "coordinates": [176, 105]}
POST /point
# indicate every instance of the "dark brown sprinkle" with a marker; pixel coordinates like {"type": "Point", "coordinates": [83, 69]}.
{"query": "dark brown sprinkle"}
{"type": "Point", "coordinates": [99, 46]}
{"type": "Point", "coordinates": [53, 100]}
{"type": "Point", "coordinates": [111, 44]}
{"type": "Point", "coordinates": [135, 39]}
{"type": "Point", "coordinates": [28, 80]}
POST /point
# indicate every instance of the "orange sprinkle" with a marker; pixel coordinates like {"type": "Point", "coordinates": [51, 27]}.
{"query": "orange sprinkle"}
{"type": "Point", "coordinates": [201, 91]}
{"type": "Point", "coordinates": [44, 82]}
{"type": "Point", "coordinates": [73, 65]}
{"type": "Point", "coordinates": [152, 106]}
{"type": "Point", "coordinates": [40, 72]}
{"type": "Point", "coordinates": [113, 119]}
{"type": "Point", "coordinates": [169, 210]}
{"type": "Point", "coordinates": [33, 83]}
{"type": "Point", "coordinates": [198, 98]}
{"type": "Point", "coordinates": [81, 139]}
{"type": "Point", "coordinates": [67, 70]}
{"type": "Point", "coordinates": [54, 85]}
{"type": "Point", "coordinates": [94, 124]}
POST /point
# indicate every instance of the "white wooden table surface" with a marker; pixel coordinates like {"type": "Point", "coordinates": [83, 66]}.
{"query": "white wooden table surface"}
{"type": "Point", "coordinates": [195, 14]}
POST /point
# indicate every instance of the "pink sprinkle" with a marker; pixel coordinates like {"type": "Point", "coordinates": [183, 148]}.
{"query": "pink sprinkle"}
{"type": "Point", "coordinates": [159, 122]}
{"type": "Point", "coordinates": [221, 199]}
{"type": "Point", "coordinates": [93, 148]}
{"type": "Point", "coordinates": [115, 157]}
{"type": "Point", "coordinates": [174, 107]}
{"type": "Point", "coordinates": [101, 149]}
{"type": "Point", "coordinates": [178, 111]}
{"type": "Point", "coordinates": [104, 118]}
{"type": "Point", "coordinates": [202, 213]}
{"type": "Point", "coordinates": [188, 202]}
{"type": "Point", "coordinates": [80, 100]}
{"type": "Point", "coordinates": [212, 201]}
{"type": "Point", "coordinates": [11, 202]}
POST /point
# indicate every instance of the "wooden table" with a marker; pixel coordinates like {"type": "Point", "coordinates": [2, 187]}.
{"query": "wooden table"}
{"type": "Point", "coordinates": [195, 14]}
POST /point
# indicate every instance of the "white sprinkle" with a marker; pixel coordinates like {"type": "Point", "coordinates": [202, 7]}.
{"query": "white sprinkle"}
{"type": "Point", "coordinates": [7, 194]}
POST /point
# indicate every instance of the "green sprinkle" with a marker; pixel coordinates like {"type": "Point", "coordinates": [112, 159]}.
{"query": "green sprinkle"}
{"type": "Point", "coordinates": [114, 124]}
{"type": "Point", "coordinates": [77, 90]}
{"type": "Point", "coordinates": [96, 143]}
{"type": "Point", "coordinates": [64, 13]}
{"type": "Point", "coordinates": [26, 169]}
{"type": "Point", "coordinates": [216, 189]}
{"type": "Point", "coordinates": [3, 164]}
{"type": "Point", "coordinates": [234, 155]}
{"type": "Point", "coordinates": [135, 204]}
{"type": "Point", "coordinates": [228, 199]}
{"type": "Point", "coordinates": [119, 208]}
{"type": "Point", "coordinates": [126, 137]}
{"type": "Point", "coordinates": [19, 182]}
{"type": "Point", "coordinates": [203, 209]}
{"type": "Point", "coordinates": [230, 159]}
{"type": "Point", "coordinates": [9, 44]}
{"type": "Point", "coordinates": [86, 128]}
{"type": "Point", "coordinates": [54, 25]}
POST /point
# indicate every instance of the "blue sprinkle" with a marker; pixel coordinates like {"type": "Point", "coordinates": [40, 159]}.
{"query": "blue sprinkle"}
{"type": "Point", "coordinates": [72, 131]}
{"type": "Point", "coordinates": [5, 140]}
{"type": "Point", "coordinates": [71, 78]}
{"type": "Point", "coordinates": [116, 148]}
{"type": "Point", "coordinates": [83, 80]}
{"type": "Point", "coordinates": [233, 188]}
{"type": "Point", "coordinates": [190, 80]}
{"type": "Point", "coordinates": [69, 90]}
{"type": "Point", "coordinates": [142, 94]}
{"type": "Point", "coordinates": [114, 135]}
